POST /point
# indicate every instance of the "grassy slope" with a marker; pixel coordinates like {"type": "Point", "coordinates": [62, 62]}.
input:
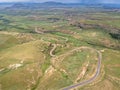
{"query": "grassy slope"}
{"type": "Point", "coordinates": [31, 56]}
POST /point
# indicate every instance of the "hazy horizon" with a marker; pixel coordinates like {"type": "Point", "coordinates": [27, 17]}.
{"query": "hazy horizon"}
{"type": "Point", "coordinates": [66, 1]}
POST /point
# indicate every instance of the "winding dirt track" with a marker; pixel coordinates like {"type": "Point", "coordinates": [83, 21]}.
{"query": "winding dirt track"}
{"type": "Point", "coordinates": [52, 50]}
{"type": "Point", "coordinates": [91, 79]}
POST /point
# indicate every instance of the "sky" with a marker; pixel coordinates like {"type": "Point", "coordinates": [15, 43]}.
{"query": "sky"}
{"type": "Point", "coordinates": [66, 1]}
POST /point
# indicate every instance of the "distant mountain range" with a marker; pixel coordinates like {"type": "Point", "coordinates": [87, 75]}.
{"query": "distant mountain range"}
{"type": "Point", "coordinates": [59, 4]}
{"type": "Point", "coordinates": [53, 3]}
{"type": "Point", "coordinates": [45, 5]}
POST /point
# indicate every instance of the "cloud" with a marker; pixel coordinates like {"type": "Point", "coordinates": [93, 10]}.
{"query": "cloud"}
{"type": "Point", "coordinates": [111, 1]}
{"type": "Point", "coordinates": [13, 0]}
{"type": "Point", "coordinates": [66, 1]}
{"type": "Point", "coordinates": [38, 0]}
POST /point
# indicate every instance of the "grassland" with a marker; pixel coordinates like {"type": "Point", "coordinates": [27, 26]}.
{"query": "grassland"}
{"type": "Point", "coordinates": [25, 60]}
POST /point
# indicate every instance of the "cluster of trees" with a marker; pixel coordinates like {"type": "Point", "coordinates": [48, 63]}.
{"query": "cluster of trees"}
{"type": "Point", "coordinates": [115, 35]}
